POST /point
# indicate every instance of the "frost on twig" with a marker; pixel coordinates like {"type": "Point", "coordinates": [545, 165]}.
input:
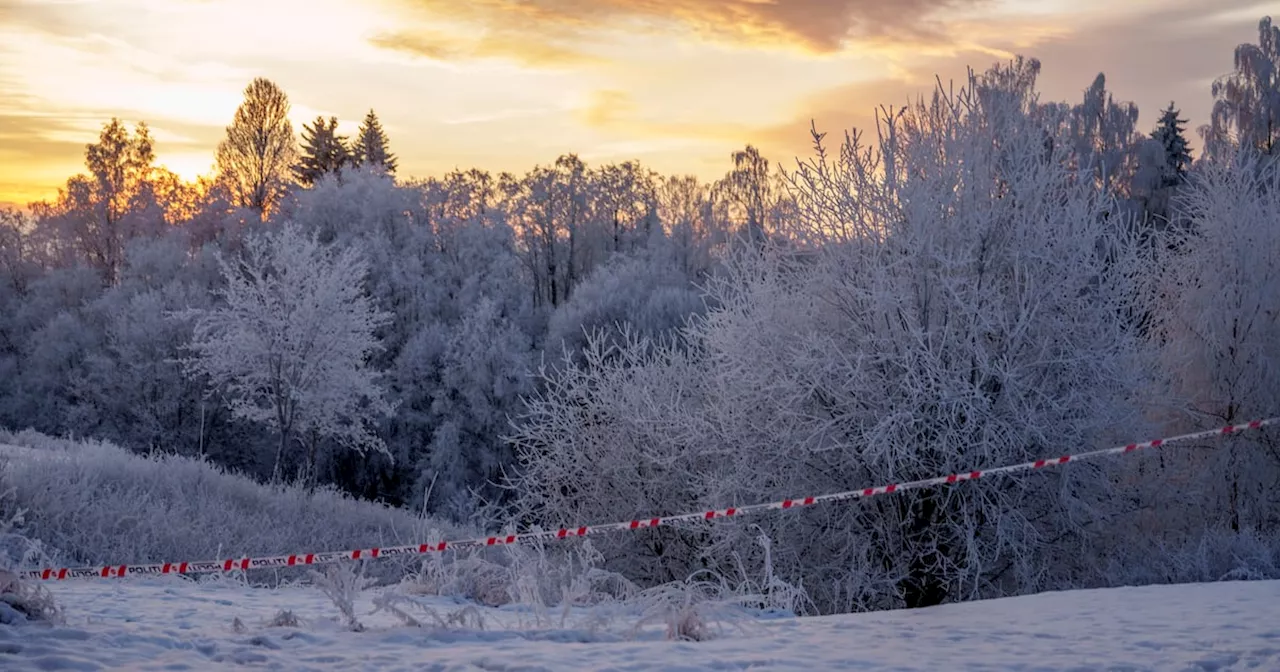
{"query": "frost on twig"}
{"type": "Point", "coordinates": [342, 583]}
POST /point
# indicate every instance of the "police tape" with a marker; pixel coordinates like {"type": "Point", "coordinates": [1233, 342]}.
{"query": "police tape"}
{"type": "Point", "coordinates": [328, 557]}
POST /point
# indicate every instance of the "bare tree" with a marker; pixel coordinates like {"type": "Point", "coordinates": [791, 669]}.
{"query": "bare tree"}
{"type": "Point", "coordinates": [95, 214]}
{"type": "Point", "coordinates": [752, 189]}
{"type": "Point", "coordinates": [255, 158]}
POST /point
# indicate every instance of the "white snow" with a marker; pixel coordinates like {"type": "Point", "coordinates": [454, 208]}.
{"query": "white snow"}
{"type": "Point", "coordinates": [175, 624]}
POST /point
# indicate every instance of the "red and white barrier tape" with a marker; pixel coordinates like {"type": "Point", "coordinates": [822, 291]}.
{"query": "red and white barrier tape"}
{"type": "Point", "coordinates": [298, 560]}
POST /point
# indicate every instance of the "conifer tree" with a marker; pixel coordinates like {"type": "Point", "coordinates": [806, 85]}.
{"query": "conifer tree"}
{"type": "Point", "coordinates": [323, 151]}
{"type": "Point", "coordinates": [371, 145]}
{"type": "Point", "coordinates": [1163, 161]}
{"type": "Point", "coordinates": [1170, 134]}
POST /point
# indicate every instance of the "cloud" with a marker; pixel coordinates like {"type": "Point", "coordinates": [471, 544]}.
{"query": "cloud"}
{"type": "Point", "coordinates": [543, 32]}
{"type": "Point", "coordinates": [617, 112]}
{"type": "Point", "coordinates": [498, 115]}
{"type": "Point", "coordinates": [1151, 56]}
{"type": "Point", "coordinates": [607, 108]}
{"type": "Point", "coordinates": [30, 131]}
{"type": "Point", "coordinates": [442, 46]}
{"type": "Point", "coordinates": [835, 112]}
{"type": "Point", "coordinates": [52, 18]}
{"type": "Point", "coordinates": [24, 137]}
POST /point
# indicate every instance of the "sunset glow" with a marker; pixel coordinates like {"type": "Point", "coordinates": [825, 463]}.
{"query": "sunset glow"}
{"type": "Point", "coordinates": [504, 85]}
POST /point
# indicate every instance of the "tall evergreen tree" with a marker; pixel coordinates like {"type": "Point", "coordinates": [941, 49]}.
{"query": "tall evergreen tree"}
{"type": "Point", "coordinates": [372, 147]}
{"type": "Point", "coordinates": [1171, 135]}
{"type": "Point", "coordinates": [323, 151]}
{"type": "Point", "coordinates": [1163, 161]}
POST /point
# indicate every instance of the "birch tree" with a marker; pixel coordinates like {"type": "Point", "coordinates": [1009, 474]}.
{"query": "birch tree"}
{"type": "Point", "coordinates": [1246, 108]}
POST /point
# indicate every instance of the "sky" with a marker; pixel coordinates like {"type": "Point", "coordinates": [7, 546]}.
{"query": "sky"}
{"type": "Point", "coordinates": [508, 84]}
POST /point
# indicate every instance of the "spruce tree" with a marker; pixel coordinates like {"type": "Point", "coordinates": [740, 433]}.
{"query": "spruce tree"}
{"type": "Point", "coordinates": [371, 146]}
{"type": "Point", "coordinates": [323, 151]}
{"type": "Point", "coordinates": [1163, 162]}
{"type": "Point", "coordinates": [1170, 134]}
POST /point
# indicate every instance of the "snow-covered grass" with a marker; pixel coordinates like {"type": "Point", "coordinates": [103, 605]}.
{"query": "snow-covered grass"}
{"type": "Point", "coordinates": [520, 607]}
{"type": "Point", "coordinates": [21, 601]}
{"type": "Point", "coordinates": [168, 623]}
{"type": "Point", "coordinates": [93, 502]}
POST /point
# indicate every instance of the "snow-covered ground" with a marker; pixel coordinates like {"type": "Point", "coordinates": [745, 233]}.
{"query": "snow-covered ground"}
{"type": "Point", "coordinates": [171, 624]}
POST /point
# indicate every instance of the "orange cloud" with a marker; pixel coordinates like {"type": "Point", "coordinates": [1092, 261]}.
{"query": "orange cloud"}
{"type": "Point", "coordinates": [835, 111]}
{"type": "Point", "coordinates": [819, 26]}
{"type": "Point", "coordinates": [606, 108]}
{"type": "Point", "coordinates": [442, 46]}
{"type": "Point", "coordinates": [618, 111]}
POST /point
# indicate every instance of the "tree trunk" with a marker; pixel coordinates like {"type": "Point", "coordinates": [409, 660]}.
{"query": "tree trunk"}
{"type": "Point", "coordinates": [284, 441]}
{"type": "Point", "coordinates": [312, 442]}
{"type": "Point", "coordinates": [923, 586]}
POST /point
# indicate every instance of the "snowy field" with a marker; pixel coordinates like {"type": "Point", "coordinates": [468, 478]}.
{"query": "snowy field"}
{"type": "Point", "coordinates": [172, 624]}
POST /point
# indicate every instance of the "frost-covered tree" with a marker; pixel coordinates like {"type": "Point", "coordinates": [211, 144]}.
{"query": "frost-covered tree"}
{"type": "Point", "coordinates": [751, 189]}
{"type": "Point", "coordinates": [458, 350]}
{"type": "Point", "coordinates": [15, 272]}
{"type": "Point", "coordinates": [132, 389]}
{"type": "Point", "coordinates": [961, 307]}
{"type": "Point", "coordinates": [1171, 135]}
{"type": "Point", "coordinates": [469, 363]}
{"type": "Point", "coordinates": [626, 204]}
{"type": "Point", "coordinates": [1105, 137]}
{"type": "Point", "coordinates": [485, 371]}
{"type": "Point", "coordinates": [255, 158]}
{"type": "Point", "coordinates": [94, 215]}
{"type": "Point", "coordinates": [324, 152]}
{"type": "Point", "coordinates": [52, 342]}
{"type": "Point", "coordinates": [1246, 108]}
{"type": "Point", "coordinates": [531, 211]}
{"type": "Point", "coordinates": [290, 345]}
{"type": "Point", "coordinates": [371, 146]}
{"type": "Point", "coordinates": [1163, 162]}
{"type": "Point", "coordinates": [685, 210]}
{"type": "Point", "coordinates": [1219, 324]}
{"type": "Point", "coordinates": [646, 294]}
{"type": "Point", "coordinates": [16, 265]}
